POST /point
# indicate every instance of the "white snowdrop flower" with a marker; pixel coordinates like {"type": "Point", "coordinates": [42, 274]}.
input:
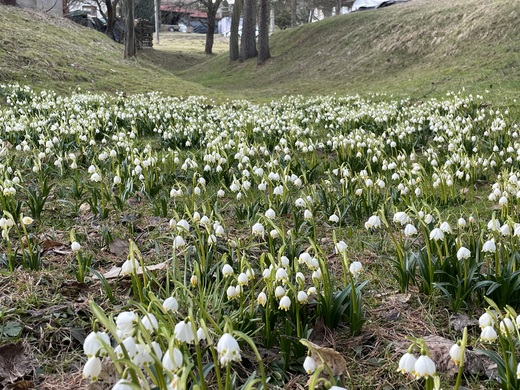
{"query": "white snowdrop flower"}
{"type": "Point", "coordinates": [341, 247]}
{"type": "Point", "coordinates": [374, 222]}
{"type": "Point", "coordinates": [300, 277]}
{"type": "Point", "coordinates": [129, 266]}
{"type": "Point", "coordinates": [456, 354]}
{"type": "Point", "coordinates": [302, 297]}
{"type": "Point", "coordinates": [436, 234]}
{"type": "Point", "coordinates": [172, 360]}
{"type": "Point", "coordinates": [171, 303]}
{"type": "Point", "coordinates": [150, 322]}
{"type": "Point", "coordinates": [95, 344]}
{"type": "Point", "coordinates": [75, 246]}
{"type": "Point", "coordinates": [178, 242]}
{"type": "Point", "coordinates": [304, 257]}
{"type": "Point", "coordinates": [278, 190]}
{"type": "Point", "coordinates": [232, 292]}
{"type": "Point", "coordinates": [250, 273]}
{"type": "Point", "coordinates": [183, 225]}
{"type": "Point", "coordinates": [401, 217]}
{"type": "Point", "coordinates": [317, 274]}
{"type": "Point", "coordinates": [428, 218]}
{"type": "Point", "coordinates": [227, 270]}
{"type": "Point", "coordinates": [228, 350]}
{"type": "Point", "coordinates": [183, 332]}
{"type": "Point", "coordinates": [489, 246]}
{"type": "Point", "coordinates": [262, 187]}
{"type": "Point", "coordinates": [486, 319]}
{"type": "Point", "coordinates": [92, 369]}
{"type": "Point", "coordinates": [285, 303]}
{"type": "Point", "coordinates": [355, 268]}
{"type": "Point", "coordinates": [270, 213]}
{"type": "Point", "coordinates": [219, 231]}
{"type": "Point", "coordinates": [258, 229]}
{"type": "Point", "coordinates": [334, 218]}
{"type": "Point", "coordinates": [507, 326]}
{"type": "Point", "coordinates": [201, 335]}
{"type": "Point", "coordinates": [130, 346]}
{"type": "Point", "coordinates": [261, 299]}
{"type": "Point", "coordinates": [424, 367]}
{"type": "Point", "coordinates": [27, 220]}
{"type": "Point", "coordinates": [123, 384]}
{"type": "Point", "coordinates": [220, 193]}
{"type": "Point", "coordinates": [300, 202]}
{"type": "Point", "coordinates": [95, 177]}
{"type": "Point", "coordinates": [410, 230]}
{"type": "Point", "coordinates": [488, 334]}
{"type": "Point", "coordinates": [307, 214]}
{"type": "Point", "coordinates": [125, 322]}
{"type": "Point", "coordinates": [281, 275]}
{"type": "Point", "coordinates": [407, 364]}
{"type": "Point", "coordinates": [502, 201]}
{"type": "Point", "coordinates": [445, 227]}
{"type": "Point", "coordinates": [493, 225]}
{"type": "Point", "coordinates": [279, 292]}
{"type": "Point", "coordinates": [284, 260]}
{"type": "Point", "coordinates": [243, 279]}
{"type": "Point", "coordinates": [91, 169]}
{"type": "Point", "coordinates": [313, 263]}
{"type": "Point", "coordinates": [505, 230]}
{"type": "Point", "coordinates": [309, 365]}
{"type": "Point", "coordinates": [463, 253]}
{"type": "Point", "coordinates": [461, 222]}
{"type": "Point", "coordinates": [312, 291]}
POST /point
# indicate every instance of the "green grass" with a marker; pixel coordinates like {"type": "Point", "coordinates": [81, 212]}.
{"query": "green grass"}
{"type": "Point", "coordinates": [54, 53]}
{"type": "Point", "coordinates": [417, 49]}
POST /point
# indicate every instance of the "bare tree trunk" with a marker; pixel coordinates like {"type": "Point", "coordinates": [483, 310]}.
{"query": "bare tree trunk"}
{"type": "Point", "coordinates": [157, 4]}
{"type": "Point", "coordinates": [210, 34]}
{"type": "Point", "coordinates": [293, 13]}
{"type": "Point", "coordinates": [263, 32]}
{"type": "Point", "coordinates": [233, 33]}
{"type": "Point", "coordinates": [109, 15]}
{"type": "Point", "coordinates": [271, 21]}
{"type": "Point", "coordinates": [248, 39]}
{"type": "Point", "coordinates": [130, 47]}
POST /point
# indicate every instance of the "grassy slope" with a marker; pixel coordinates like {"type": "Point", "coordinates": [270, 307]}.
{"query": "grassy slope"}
{"type": "Point", "coordinates": [54, 53]}
{"type": "Point", "coordinates": [420, 48]}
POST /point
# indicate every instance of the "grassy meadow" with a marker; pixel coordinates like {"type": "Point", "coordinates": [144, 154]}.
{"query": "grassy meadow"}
{"type": "Point", "coordinates": [345, 216]}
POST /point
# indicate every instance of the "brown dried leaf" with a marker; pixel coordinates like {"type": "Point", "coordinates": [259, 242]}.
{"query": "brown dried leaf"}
{"type": "Point", "coordinates": [15, 363]}
{"type": "Point", "coordinates": [47, 245]}
{"type": "Point", "coordinates": [460, 321]}
{"type": "Point", "coordinates": [118, 247]}
{"type": "Point", "coordinates": [20, 385]}
{"type": "Point", "coordinates": [328, 356]}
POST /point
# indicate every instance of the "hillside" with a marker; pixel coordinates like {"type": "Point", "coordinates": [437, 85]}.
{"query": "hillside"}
{"type": "Point", "coordinates": [418, 48]}
{"type": "Point", "coordinates": [55, 53]}
{"type": "Point", "coordinates": [421, 48]}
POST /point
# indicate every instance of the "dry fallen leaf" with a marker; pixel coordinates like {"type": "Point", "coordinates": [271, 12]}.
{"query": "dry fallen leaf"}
{"type": "Point", "coordinates": [118, 247]}
{"type": "Point", "coordinates": [329, 357]}
{"type": "Point", "coordinates": [15, 363]}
